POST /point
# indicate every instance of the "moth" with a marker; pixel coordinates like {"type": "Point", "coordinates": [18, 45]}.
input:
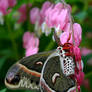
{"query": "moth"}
{"type": "Point", "coordinates": [50, 71]}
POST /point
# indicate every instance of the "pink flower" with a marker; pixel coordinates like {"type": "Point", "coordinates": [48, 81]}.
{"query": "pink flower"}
{"type": "Point", "coordinates": [67, 27]}
{"type": "Point", "coordinates": [23, 12]}
{"type": "Point", "coordinates": [48, 16]}
{"type": "Point", "coordinates": [69, 7]}
{"type": "Point", "coordinates": [51, 15]}
{"type": "Point", "coordinates": [59, 6]}
{"type": "Point", "coordinates": [63, 18]}
{"type": "Point", "coordinates": [34, 15]}
{"type": "Point", "coordinates": [77, 31]}
{"type": "Point", "coordinates": [80, 77]}
{"type": "Point", "coordinates": [52, 22]}
{"type": "Point", "coordinates": [64, 37]}
{"type": "Point", "coordinates": [77, 53]}
{"type": "Point", "coordinates": [26, 38]}
{"type": "Point", "coordinates": [77, 34]}
{"type": "Point", "coordinates": [4, 6]}
{"type": "Point", "coordinates": [12, 3]}
{"type": "Point", "coordinates": [85, 51]}
{"type": "Point", "coordinates": [57, 15]}
{"type": "Point", "coordinates": [37, 15]}
{"type": "Point", "coordinates": [30, 43]}
{"type": "Point", "coordinates": [31, 51]}
{"type": "Point", "coordinates": [44, 8]}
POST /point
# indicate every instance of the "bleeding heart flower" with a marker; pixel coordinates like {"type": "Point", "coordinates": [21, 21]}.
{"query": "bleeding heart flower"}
{"type": "Point", "coordinates": [77, 34]}
{"type": "Point", "coordinates": [85, 51]}
{"type": "Point", "coordinates": [77, 53]}
{"type": "Point", "coordinates": [23, 12]}
{"type": "Point", "coordinates": [30, 43]}
{"type": "Point", "coordinates": [44, 8]}
{"type": "Point", "coordinates": [12, 3]}
{"type": "Point", "coordinates": [4, 6]}
{"type": "Point", "coordinates": [26, 38]}
{"type": "Point", "coordinates": [34, 15]}
{"type": "Point", "coordinates": [63, 18]}
{"type": "Point", "coordinates": [80, 77]}
{"type": "Point", "coordinates": [64, 37]}
{"type": "Point", "coordinates": [31, 51]}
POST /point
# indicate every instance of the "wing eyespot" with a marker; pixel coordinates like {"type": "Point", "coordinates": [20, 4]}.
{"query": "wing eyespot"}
{"type": "Point", "coordinates": [55, 77]}
{"type": "Point", "coordinates": [39, 63]}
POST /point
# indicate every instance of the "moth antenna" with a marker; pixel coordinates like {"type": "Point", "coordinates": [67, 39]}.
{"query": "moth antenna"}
{"type": "Point", "coordinates": [57, 38]}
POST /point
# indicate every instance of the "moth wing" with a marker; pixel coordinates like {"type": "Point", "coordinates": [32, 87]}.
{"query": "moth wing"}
{"type": "Point", "coordinates": [25, 74]}
{"type": "Point", "coordinates": [52, 78]}
{"type": "Point", "coordinates": [36, 62]}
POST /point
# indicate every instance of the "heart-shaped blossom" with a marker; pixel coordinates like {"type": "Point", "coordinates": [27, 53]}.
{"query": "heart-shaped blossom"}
{"type": "Point", "coordinates": [77, 53]}
{"type": "Point", "coordinates": [26, 38]}
{"type": "Point", "coordinates": [37, 15]}
{"type": "Point", "coordinates": [85, 51]}
{"type": "Point", "coordinates": [4, 6]}
{"type": "Point", "coordinates": [30, 43]}
{"type": "Point", "coordinates": [44, 8]}
{"type": "Point", "coordinates": [31, 51]}
{"type": "Point", "coordinates": [34, 15]}
{"type": "Point", "coordinates": [12, 3]}
{"type": "Point", "coordinates": [77, 32]}
{"type": "Point", "coordinates": [23, 12]}
{"type": "Point", "coordinates": [64, 37]}
{"type": "Point", "coordinates": [80, 77]}
{"type": "Point", "coordinates": [57, 15]}
{"type": "Point", "coordinates": [63, 18]}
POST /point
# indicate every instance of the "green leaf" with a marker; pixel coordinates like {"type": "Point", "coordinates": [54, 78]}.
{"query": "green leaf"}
{"type": "Point", "coordinates": [2, 61]}
{"type": "Point", "coordinates": [3, 90]}
{"type": "Point", "coordinates": [81, 15]}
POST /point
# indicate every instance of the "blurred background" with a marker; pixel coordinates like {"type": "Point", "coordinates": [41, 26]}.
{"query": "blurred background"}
{"type": "Point", "coordinates": [12, 28]}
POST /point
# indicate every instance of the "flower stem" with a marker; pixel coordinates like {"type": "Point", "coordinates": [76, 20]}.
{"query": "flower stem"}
{"type": "Point", "coordinates": [63, 1]}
